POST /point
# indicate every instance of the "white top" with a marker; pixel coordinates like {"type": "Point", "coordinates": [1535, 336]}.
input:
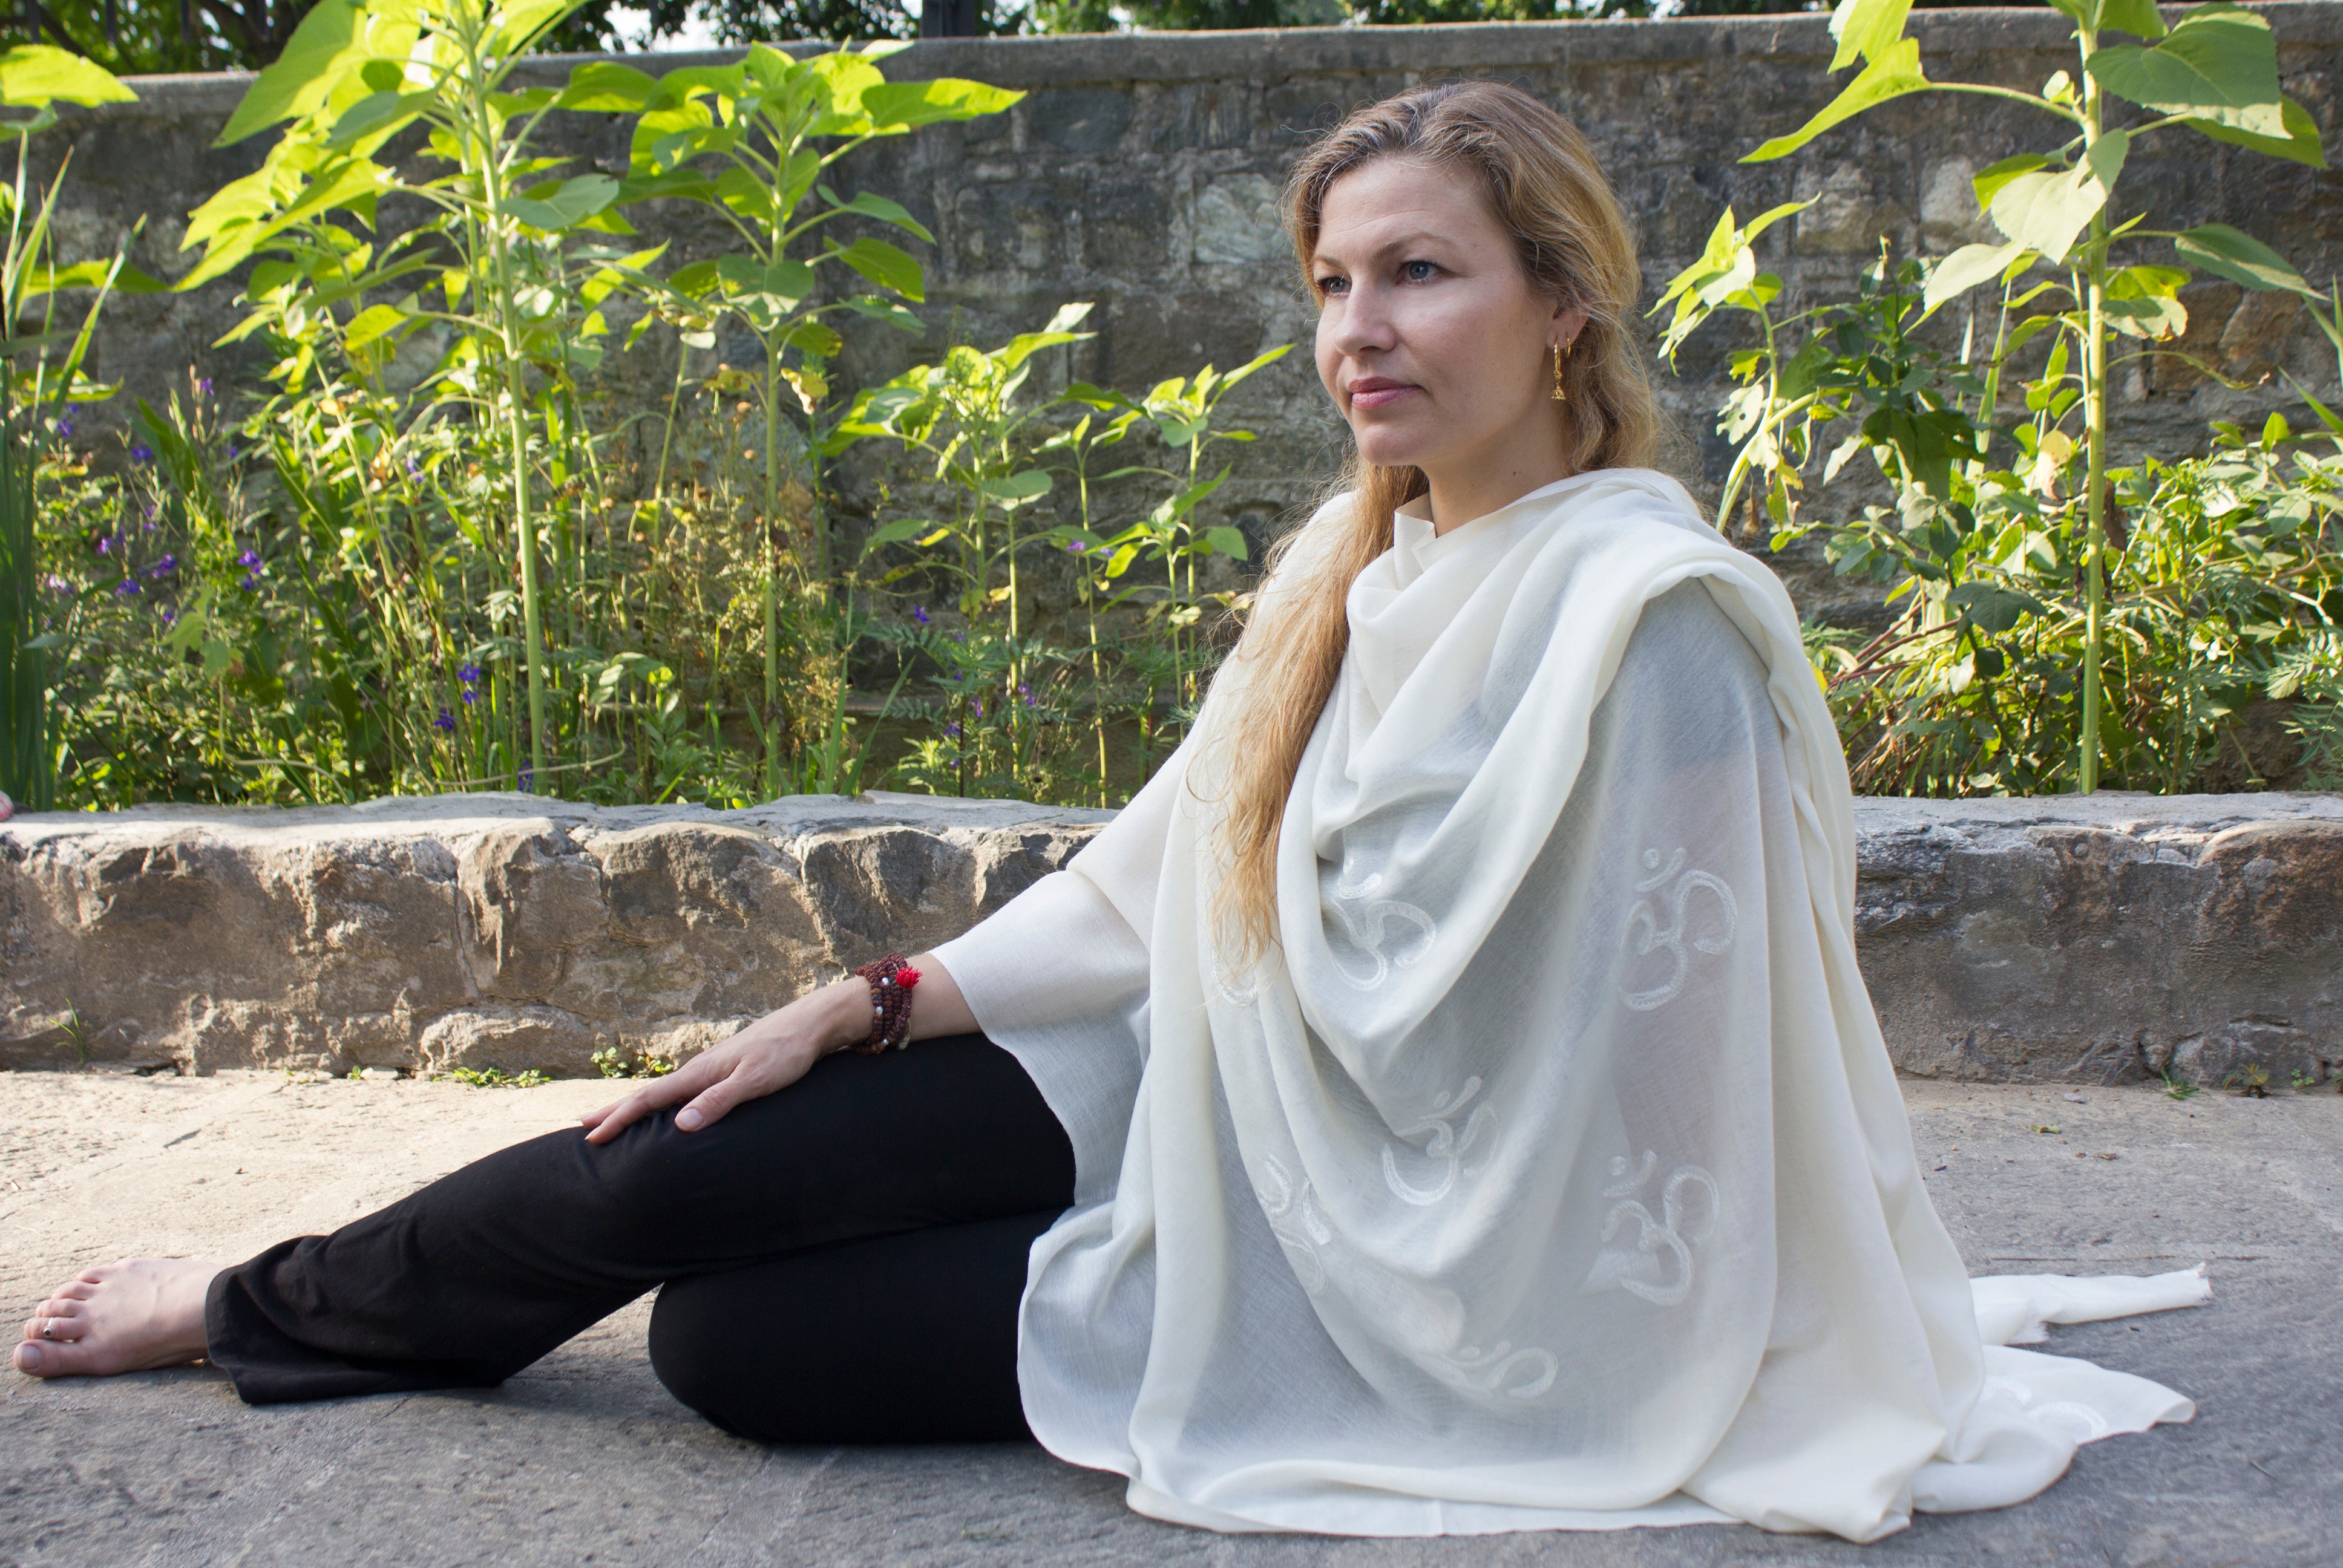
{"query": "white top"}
{"type": "Point", "coordinates": [1551, 1172]}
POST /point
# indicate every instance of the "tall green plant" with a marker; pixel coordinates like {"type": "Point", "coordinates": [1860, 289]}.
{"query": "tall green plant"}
{"type": "Point", "coordinates": [752, 143]}
{"type": "Point", "coordinates": [36, 78]}
{"type": "Point", "coordinates": [505, 273]}
{"type": "Point", "coordinates": [1183, 409]}
{"type": "Point", "coordinates": [2214, 71]}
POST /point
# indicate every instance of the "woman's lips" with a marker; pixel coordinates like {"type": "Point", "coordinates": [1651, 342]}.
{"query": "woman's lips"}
{"type": "Point", "coordinates": [1377, 393]}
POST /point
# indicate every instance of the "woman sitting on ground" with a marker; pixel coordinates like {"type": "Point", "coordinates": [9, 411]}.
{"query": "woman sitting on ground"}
{"type": "Point", "coordinates": [1443, 1101]}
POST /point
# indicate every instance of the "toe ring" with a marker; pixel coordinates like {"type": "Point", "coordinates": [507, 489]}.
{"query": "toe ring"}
{"type": "Point", "coordinates": [48, 1327]}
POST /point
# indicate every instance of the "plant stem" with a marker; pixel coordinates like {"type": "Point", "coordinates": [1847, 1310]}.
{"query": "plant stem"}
{"type": "Point", "coordinates": [2095, 425]}
{"type": "Point", "coordinates": [767, 566]}
{"type": "Point", "coordinates": [491, 174]}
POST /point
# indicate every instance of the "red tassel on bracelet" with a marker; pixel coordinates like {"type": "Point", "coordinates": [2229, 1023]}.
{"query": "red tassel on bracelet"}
{"type": "Point", "coordinates": [891, 980]}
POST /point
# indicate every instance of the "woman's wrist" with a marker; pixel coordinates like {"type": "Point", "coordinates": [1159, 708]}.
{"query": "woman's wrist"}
{"type": "Point", "coordinates": [845, 1013]}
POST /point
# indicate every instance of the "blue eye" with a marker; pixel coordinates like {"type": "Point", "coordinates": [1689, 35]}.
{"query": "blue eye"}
{"type": "Point", "coordinates": [1418, 271]}
{"type": "Point", "coordinates": [1329, 284]}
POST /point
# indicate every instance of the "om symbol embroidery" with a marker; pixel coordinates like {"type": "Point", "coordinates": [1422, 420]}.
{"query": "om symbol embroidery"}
{"type": "Point", "coordinates": [1523, 1373]}
{"type": "Point", "coordinates": [1667, 1236]}
{"type": "Point", "coordinates": [1369, 930]}
{"type": "Point", "coordinates": [1297, 1220]}
{"type": "Point", "coordinates": [1454, 1153]}
{"type": "Point", "coordinates": [1651, 936]}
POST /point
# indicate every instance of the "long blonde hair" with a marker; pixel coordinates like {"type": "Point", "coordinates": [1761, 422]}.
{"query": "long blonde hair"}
{"type": "Point", "coordinates": [1543, 186]}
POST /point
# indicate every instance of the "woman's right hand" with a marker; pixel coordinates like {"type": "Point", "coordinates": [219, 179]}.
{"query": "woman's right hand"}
{"type": "Point", "coordinates": [770, 1054]}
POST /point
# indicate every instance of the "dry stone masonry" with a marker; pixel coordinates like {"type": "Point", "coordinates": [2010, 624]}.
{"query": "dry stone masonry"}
{"type": "Point", "coordinates": [2085, 941]}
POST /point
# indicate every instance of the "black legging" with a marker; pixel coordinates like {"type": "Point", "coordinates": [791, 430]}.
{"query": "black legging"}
{"type": "Point", "coordinates": [840, 1262]}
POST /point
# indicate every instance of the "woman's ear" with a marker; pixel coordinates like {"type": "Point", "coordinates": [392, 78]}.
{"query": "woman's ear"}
{"type": "Point", "coordinates": [1569, 321]}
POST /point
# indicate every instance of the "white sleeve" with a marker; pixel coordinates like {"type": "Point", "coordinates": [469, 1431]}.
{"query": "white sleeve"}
{"type": "Point", "coordinates": [1058, 976]}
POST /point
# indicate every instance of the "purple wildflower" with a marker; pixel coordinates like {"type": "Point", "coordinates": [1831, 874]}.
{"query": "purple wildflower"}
{"type": "Point", "coordinates": [164, 567]}
{"type": "Point", "coordinates": [249, 561]}
{"type": "Point", "coordinates": [251, 581]}
{"type": "Point", "coordinates": [920, 614]}
{"type": "Point", "coordinates": [1075, 547]}
{"type": "Point", "coordinates": [170, 617]}
{"type": "Point", "coordinates": [142, 453]}
{"type": "Point", "coordinates": [414, 469]}
{"type": "Point", "coordinates": [527, 776]}
{"type": "Point", "coordinates": [979, 707]}
{"type": "Point", "coordinates": [204, 387]}
{"type": "Point", "coordinates": [470, 698]}
{"type": "Point", "coordinates": [952, 730]}
{"type": "Point", "coordinates": [469, 674]}
{"type": "Point", "coordinates": [56, 585]}
{"type": "Point", "coordinates": [125, 588]}
{"type": "Point", "coordinates": [446, 722]}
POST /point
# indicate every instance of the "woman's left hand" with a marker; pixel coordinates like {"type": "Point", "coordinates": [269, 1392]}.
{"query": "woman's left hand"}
{"type": "Point", "coordinates": [770, 1054]}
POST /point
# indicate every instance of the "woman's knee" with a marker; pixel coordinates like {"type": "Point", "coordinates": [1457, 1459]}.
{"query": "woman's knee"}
{"type": "Point", "coordinates": [910, 1338]}
{"type": "Point", "coordinates": [693, 1349]}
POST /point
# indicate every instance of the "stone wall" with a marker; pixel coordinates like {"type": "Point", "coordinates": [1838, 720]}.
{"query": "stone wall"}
{"type": "Point", "coordinates": [2079, 940]}
{"type": "Point", "coordinates": [1142, 173]}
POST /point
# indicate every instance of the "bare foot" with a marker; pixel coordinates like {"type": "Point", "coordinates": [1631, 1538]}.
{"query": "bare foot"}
{"type": "Point", "coordinates": [119, 1318]}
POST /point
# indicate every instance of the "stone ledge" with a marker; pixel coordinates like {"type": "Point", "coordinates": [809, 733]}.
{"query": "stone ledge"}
{"type": "Point", "coordinates": [487, 931]}
{"type": "Point", "coordinates": [2098, 940]}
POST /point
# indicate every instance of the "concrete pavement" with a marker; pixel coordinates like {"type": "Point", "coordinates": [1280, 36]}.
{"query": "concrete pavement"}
{"type": "Point", "coordinates": [584, 1459]}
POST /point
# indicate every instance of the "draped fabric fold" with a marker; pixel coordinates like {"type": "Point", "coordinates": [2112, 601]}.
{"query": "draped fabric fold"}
{"type": "Point", "coordinates": [1550, 1172]}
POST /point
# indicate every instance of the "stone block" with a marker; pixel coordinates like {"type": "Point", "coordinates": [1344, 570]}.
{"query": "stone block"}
{"type": "Point", "coordinates": [2106, 940]}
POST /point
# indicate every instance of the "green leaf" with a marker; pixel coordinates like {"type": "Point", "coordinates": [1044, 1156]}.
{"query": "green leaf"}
{"type": "Point", "coordinates": [789, 280]}
{"type": "Point", "coordinates": [518, 23]}
{"type": "Point", "coordinates": [1227, 541]}
{"type": "Point", "coordinates": [1022, 487]}
{"type": "Point", "coordinates": [813, 337]}
{"type": "Point", "coordinates": [883, 264]}
{"type": "Point", "coordinates": [311, 67]}
{"type": "Point", "coordinates": [575, 201]}
{"type": "Point", "coordinates": [605, 87]}
{"type": "Point", "coordinates": [377, 113]}
{"type": "Point", "coordinates": [2147, 283]}
{"type": "Point", "coordinates": [902, 528]}
{"type": "Point", "coordinates": [1966, 269]}
{"type": "Point", "coordinates": [1895, 71]}
{"type": "Point", "coordinates": [32, 76]}
{"type": "Point", "coordinates": [2136, 17]}
{"type": "Point", "coordinates": [2145, 301]}
{"type": "Point", "coordinates": [2228, 253]}
{"type": "Point", "coordinates": [2220, 64]}
{"type": "Point", "coordinates": [2046, 209]}
{"type": "Point", "coordinates": [1865, 29]}
{"type": "Point", "coordinates": [1994, 608]}
{"type": "Point", "coordinates": [2299, 145]}
{"type": "Point", "coordinates": [92, 274]}
{"type": "Point", "coordinates": [375, 321]}
{"type": "Point", "coordinates": [899, 106]}
{"type": "Point", "coordinates": [888, 311]}
{"type": "Point", "coordinates": [879, 206]}
{"type": "Point", "coordinates": [2152, 317]}
{"type": "Point", "coordinates": [1993, 177]}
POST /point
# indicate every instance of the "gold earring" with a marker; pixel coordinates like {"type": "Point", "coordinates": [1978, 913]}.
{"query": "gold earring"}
{"type": "Point", "coordinates": [1559, 395]}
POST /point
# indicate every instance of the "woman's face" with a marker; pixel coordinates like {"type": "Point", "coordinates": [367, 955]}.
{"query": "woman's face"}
{"type": "Point", "coordinates": [1432, 339]}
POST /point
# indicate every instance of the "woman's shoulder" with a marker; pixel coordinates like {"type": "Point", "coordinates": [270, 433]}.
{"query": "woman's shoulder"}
{"type": "Point", "coordinates": [1685, 623]}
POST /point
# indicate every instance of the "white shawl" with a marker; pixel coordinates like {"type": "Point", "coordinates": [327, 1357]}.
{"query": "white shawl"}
{"type": "Point", "coordinates": [1552, 1172]}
